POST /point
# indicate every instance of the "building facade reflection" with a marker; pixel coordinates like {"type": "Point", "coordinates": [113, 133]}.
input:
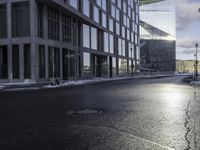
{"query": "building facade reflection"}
{"type": "Point", "coordinates": [158, 35]}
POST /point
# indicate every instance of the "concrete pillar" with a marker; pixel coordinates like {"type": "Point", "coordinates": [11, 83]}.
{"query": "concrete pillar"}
{"type": "Point", "coordinates": [10, 70]}
{"type": "Point", "coordinates": [9, 20]}
{"type": "Point", "coordinates": [46, 63]}
{"type": "Point", "coordinates": [9, 47]}
{"type": "Point", "coordinates": [21, 62]}
{"type": "Point", "coordinates": [33, 23]}
{"type": "Point", "coordinates": [61, 64]}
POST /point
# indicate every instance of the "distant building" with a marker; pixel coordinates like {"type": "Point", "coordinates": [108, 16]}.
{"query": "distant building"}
{"type": "Point", "coordinates": [158, 35]}
{"type": "Point", "coordinates": [68, 39]}
{"type": "Point", "coordinates": [186, 66]}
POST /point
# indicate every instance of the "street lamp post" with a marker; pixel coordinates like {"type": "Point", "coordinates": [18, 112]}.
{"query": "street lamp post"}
{"type": "Point", "coordinates": [196, 61]}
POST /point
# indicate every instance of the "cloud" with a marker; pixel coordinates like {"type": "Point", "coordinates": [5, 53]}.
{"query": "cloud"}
{"type": "Point", "coordinates": [186, 43]}
{"type": "Point", "coordinates": [187, 13]}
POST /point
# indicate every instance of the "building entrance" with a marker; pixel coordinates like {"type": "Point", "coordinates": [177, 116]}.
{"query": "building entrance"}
{"type": "Point", "coordinates": [69, 64]}
{"type": "Point", "coordinates": [100, 66]}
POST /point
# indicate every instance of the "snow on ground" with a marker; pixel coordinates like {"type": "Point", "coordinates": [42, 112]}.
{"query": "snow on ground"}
{"type": "Point", "coordinates": [197, 83]}
{"type": "Point", "coordinates": [1, 87]}
{"type": "Point", "coordinates": [82, 82]}
{"type": "Point", "coordinates": [17, 83]}
{"type": "Point", "coordinates": [21, 89]}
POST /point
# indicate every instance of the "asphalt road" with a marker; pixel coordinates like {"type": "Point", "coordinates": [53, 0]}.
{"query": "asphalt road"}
{"type": "Point", "coordinates": [138, 114]}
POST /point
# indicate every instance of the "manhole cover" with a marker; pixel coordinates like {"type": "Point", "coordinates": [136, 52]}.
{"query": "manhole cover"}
{"type": "Point", "coordinates": [84, 112]}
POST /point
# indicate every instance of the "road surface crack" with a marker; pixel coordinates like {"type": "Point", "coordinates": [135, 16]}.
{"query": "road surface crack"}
{"type": "Point", "coordinates": [188, 129]}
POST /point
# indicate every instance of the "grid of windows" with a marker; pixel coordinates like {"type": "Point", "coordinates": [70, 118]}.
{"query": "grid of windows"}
{"type": "Point", "coordinates": [20, 21]}
{"type": "Point", "coordinates": [3, 24]}
{"type": "Point", "coordinates": [115, 32]}
{"type": "Point", "coordinates": [53, 24]}
{"type": "Point", "coordinates": [66, 28]}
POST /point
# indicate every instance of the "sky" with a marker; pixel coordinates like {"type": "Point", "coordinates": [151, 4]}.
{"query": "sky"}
{"type": "Point", "coordinates": [187, 28]}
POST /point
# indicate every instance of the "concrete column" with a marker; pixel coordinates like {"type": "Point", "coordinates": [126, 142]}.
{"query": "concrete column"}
{"type": "Point", "coordinates": [21, 62]}
{"type": "Point", "coordinates": [61, 64]}
{"type": "Point", "coordinates": [9, 47]}
{"type": "Point", "coordinates": [9, 20]}
{"type": "Point", "coordinates": [33, 23]}
{"type": "Point", "coordinates": [10, 70]}
{"type": "Point", "coordinates": [46, 62]}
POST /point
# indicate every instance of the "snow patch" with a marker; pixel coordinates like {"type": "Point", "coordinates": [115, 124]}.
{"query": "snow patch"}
{"type": "Point", "coordinates": [1, 87]}
{"type": "Point", "coordinates": [21, 89]}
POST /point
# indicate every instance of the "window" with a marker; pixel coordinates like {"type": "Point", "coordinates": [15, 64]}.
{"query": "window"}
{"type": "Point", "coordinates": [93, 38]}
{"type": "Point", "coordinates": [117, 15]}
{"type": "Point", "coordinates": [20, 19]}
{"type": "Point", "coordinates": [114, 66]}
{"type": "Point", "coordinates": [40, 20]}
{"type": "Point", "coordinates": [54, 62]}
{"type": "Point", "coordinates": [3, 21]}
{"type": "Point", "coordinates": [121, 47]}
{"type": "Point", "coordinates": [98, 2]}
{"type": "Point", "coordinates": [96, 14]}
{"type": "Point", "coordinates": [53, 24]}
{"type": "Point", "coordinates": [41, 61]}
{"type": "Point", "coordinates": [73, 3]}
{"type": "Point", "coordinates": [123, 32]}
{"type": "Point", "coordinates": [124, 7]}
{"type": "Point", "coordinates": [122, 65]}
{"type": "Point", "coordinates": [86, 36]}
{"type": "Point", "coordinates": [117, 28]}
{"type": "Point", "coordinates": [3, 62]}
{"type": "Point", "coordinates": [86, 64]}
{"type": "Point", "coordinates": [15, 61]}
{"type": "Point", "coordinates": [137, 53]}
{"type": "Point", "coordinates": [86, 7]}
{"type": "Point", "coordinates": [111, 41]}
{"type": "Point", "coordinates": [111, 28]}
{"type": "Point", "coordinates": [119, 3]}
{"type": "Point", "coordinates": [27, 62]}
{"type": "Point", "coordinates": [112, 10]}
{"type": "Point", "coordinates": [131, 50]}
{"type": "Point", "coordinates": [104, 5]}
{"type": "Point", "coordinates": [104, 20]}
{"type": "Point", "coordinates": [106, 42]}
{"type": "Point", "coordinates": [66, 29]}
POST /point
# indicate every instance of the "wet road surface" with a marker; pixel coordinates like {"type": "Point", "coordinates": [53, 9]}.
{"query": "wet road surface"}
{"type": "Point", "coordinates": [138, 114]}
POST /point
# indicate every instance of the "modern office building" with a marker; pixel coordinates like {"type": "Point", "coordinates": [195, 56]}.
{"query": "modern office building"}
{"type": "Point", "coordinates": [158, 35]}
{"type": "Point", "coordinates": [67, 39]}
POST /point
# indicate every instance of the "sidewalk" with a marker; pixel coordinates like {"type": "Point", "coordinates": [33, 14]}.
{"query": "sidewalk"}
{"type": "Point", "coordinates": [26, 86]}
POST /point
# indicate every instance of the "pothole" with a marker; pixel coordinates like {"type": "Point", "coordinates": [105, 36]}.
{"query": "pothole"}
{"type": "Point", "coordinates": [84, 112]}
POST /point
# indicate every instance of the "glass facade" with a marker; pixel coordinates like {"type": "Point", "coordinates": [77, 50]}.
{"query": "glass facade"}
{"type": "Point", "coordinates": [72, 38]}
{"type": "Point", "coordinates": [27, 61]}
{"type": "Point", "coordinates": [15, 61]}
{"type": "Point", "coordinates": [20, 19]}
{"type": "Point", "coordinates": [86, 36]}
{"type": "Point", "coordinates": [158, 35]}
{"type": "Point", "coordinates": [86, 64]}
{"type": "Point", "coordinates": [3, 21]}
{"type": "Point", "coordinates": [41, 61]}
{"type": "Point", "coordinates": [93, 38]}
{"type": "Point", "coordinates": [53, 24]}
{"type": "Point", "coordinates": [86, 7]}
{"type": "Point", "coordinates": [3, 62]}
